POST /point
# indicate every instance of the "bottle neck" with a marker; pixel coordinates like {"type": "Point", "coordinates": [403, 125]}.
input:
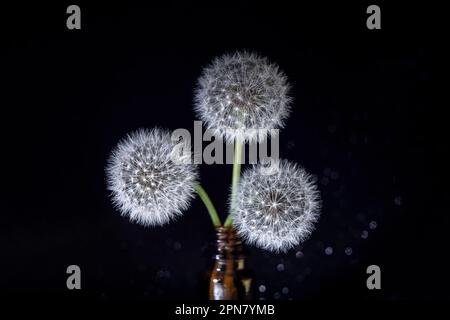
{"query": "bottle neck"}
{"type": "Point", "coordinates": [229, 246]}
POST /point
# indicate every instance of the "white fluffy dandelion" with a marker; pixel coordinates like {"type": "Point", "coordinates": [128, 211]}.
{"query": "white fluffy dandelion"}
{"type": "Point", "coordinates": [240, 94]}
{"type": "Point", "coordinates": [149, 182]}
{"type": "Point", "coordinates": [276, 212]}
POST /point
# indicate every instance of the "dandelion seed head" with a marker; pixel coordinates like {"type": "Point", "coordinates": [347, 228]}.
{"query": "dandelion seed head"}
{"type": "Point", "coordinates": [239, 94]}
{"type": "Point", "coordinates": [282, 212]}
{"type": "Point", "coordinates": [150, 183]}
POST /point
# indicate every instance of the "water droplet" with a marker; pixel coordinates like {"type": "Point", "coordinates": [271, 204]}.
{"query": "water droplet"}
{"type": "Point", "coordinates": [177, 245]}
{"type": "Point", "coordinates": [262, 288]}
{"type": "Point", "coordinates": [299, 255]}
{"type": "Point", "coordinates": [280, 267]}
{"type": "Point", "coordinates": [334, 175]}
{"type": "Point", "coordinates": [285, 290]}
{"type": "Point", "coordinates": [348, 251]}
{"type": "Point", "coordinates": [398, 201]}
{"type": "Point", "coordinates": [364, 234]}
{"type": "Point", "coordinates": [373, 225]}
{"type": "Point", "coordinates": [328, 251]}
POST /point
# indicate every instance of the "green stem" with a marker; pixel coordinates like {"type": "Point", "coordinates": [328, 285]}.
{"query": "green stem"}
{"type": "Point", "coordinates": [209, 205]}
{"type": "Point", "coordinates": [235, 180]}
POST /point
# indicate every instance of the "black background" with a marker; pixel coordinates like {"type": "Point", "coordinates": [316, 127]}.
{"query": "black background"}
{"type": "Point", "coordinates": [364, 123]}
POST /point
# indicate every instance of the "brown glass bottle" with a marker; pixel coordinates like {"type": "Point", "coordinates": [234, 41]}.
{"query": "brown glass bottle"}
{"type": "Point", "coordinates": [230, 280]}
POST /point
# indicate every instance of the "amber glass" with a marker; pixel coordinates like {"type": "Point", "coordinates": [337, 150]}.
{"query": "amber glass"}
{"type": "Point", "coordinates": [230, 279]}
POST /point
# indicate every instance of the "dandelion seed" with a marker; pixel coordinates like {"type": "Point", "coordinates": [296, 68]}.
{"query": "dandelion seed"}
{"type": "Point", "coordinates": [239, 93]}
{"type": "Point", "coordinates": [150, 192]}
{"type": "Point", "coordinates": [283, 211]}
